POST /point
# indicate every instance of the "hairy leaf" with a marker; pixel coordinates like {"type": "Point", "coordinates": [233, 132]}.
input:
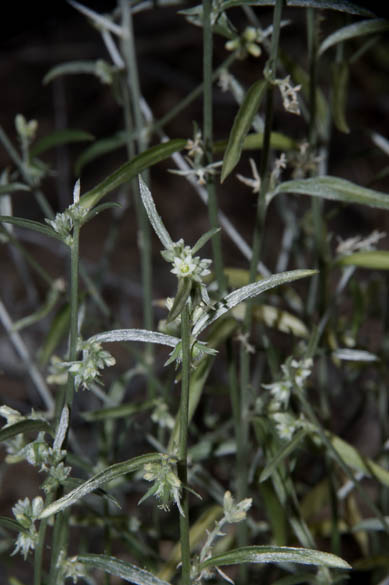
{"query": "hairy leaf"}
{"type": "Point", "coordinates": [25, 426]}
{"type": "Point", "coordinates": [122, 569]}
{"type": "Point", "coordinates": [357, 29]}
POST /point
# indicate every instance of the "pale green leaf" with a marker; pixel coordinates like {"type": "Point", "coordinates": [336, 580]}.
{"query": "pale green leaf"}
{"type": "Point", "coordinates": [373, 259]}
{"type": "Point", "coordinates": [340, 76]}
{"type": "Point", "coordinates": [153, 215]}
{"type": "Point", "coordinates": [131, 169]}
{"type": "Point", "coordinates": [357, 29]}
{"type": "Point", "coordinates": [143, 335]}
{"type": "Point", "coordinates": [341, 5]}
{"type": "Point", "coordinates": [24, 426]}
{"type": "Point", "coordinates": [278, 141]}
{"type": "Point", "coordinates": [58, 138]}
{"type": "Point", "coordinates": [71, 68]}
{"type": "Point", "coordinates": [11, 187]}
{"type": "Point", "coordinates": [354, 355]}
{"type": "Point", "coordinates": [30, 224]}
{"type": "Point", "coordinates": [106, 475]}
{"type": "Point", "coordinates": [248, 292]}
{"type": "Point", "coordinates": [204, 239]}
{"type": "Point", "coordinates": [241, 126]}
{"type": "Point", "coordinates": [122, 569]}
{"type": "Point", "coordinates": [276, 554]}
{"type": "Point", "coordinates": [335, 189]}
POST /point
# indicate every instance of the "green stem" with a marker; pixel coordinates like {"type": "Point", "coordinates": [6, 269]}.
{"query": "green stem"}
{"type": "Point", "coordinates": [208, 142]}
{"type": "Point", "coordinates": [38, 555]}
{"type": "Point", "coordinates": [245, 396]}
{"type": "Point", "coordinates": [128, 49]}
{"type": "Point", "coordinates": [183, 445]}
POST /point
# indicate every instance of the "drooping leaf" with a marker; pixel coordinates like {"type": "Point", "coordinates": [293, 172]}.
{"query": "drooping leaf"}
{"type": "Point", "coordinates": [142, 335]}
{"type": "Point", "coordinates": [335, 189]}
{"type": "Point", "coordinates": [276, 554]}
{"type": "Point", "coordinates": [241, 126]}
{"type": "Point", "coordinates": [340, 75]}
{"type": "Point", "coordinates": [154, 217]}
{"type": "Point", "coordinates": [25, 426]}
{"type": "Point", "coordinates": [30, 224]}
{"type": "Point", "coordinates": [99, 68]}
{"type": "Point", "coordinates": [278, 141]}
{"type": "Point", "coordinates": [373, 259]}
{"type": "Point", "coordinates": [120, 411]}
{"type": "Point", "coordinates": [119, 568]}
{"type": "Point", "coordinates": [341, 5]}
{"type": "Point", "coordinates": [12, 187]}
{"type": "Point", "coordinates": [131, 169]}
{"type": "Point", "coordinates": [108, 474]}
{"type": "Point", "coordinates": [357, 29]}
{"type": "Point", "coordinates": [59, 137]}
{"type": "Point", "coordinates": [248, 292]}
{"type": "Point", "coordinates": [99, 148]}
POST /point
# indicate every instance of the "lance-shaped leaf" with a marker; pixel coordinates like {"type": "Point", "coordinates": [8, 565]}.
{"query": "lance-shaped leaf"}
{"type": "Point", "coordinates": [241, 126]}
{"type": "Point", "coordinates": [122, 569]}
{"type": "Point", "coordinates": [341, 5]}
{"type": "Point", "coordinates": [108, 474]}
{"type": "Point", "coordinates": [254, 141]}
{"type": "Point", "coordinates": [58, 138]}
{"type": "Point", "coordinates": [11, 524]}
{"type": "Point", "coordinates": [153, 215]}
{"type": "Point", "coordinates": [99, 148]}
{"type": "Point", "coordinates": [75, 67]}
{"type": "Point", "coordinates": [30, 224]}
{"type": "Point", "coordinates": [276, 554]}
{"type": "Point", "coordinates": [25, 426]}
{"type": "Point", "coordinates": [248, 292]}
{"type": "Point", "coordinates": [11, 187]}
{"type": "Point", "coordinates": [143, 335]}
{"type": "Point", "coordinates": [364, 27]}
{"type": "Point", "coordinates": [204, 239]}
{"type": "Point", "coordinates": [131, 169]}
{"type": "Point", "coordinates": [373, 259]}
{"type": "Point", "coordinates": [120, 411]}
{"type": "Point", "coordinates": [340, 75]}
{"type": "Point", "coordinates": [335, 189]}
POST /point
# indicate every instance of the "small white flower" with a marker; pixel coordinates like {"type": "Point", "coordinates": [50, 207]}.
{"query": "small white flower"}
{"type": "Point", "coordinates": [280, 391]}
{"type": "Point", "coordinates": [285, 425]}
{"type": "Point", "coordinates": [233, 512]}
{"type": "Point", "coordinates": [183, 267]}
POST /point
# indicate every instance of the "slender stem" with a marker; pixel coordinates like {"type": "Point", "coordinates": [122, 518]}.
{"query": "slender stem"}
{"type": "Point", "coordinates": [38, 556]}
{"type": "Point", "coordinates": [128, 49]}
{"type": "Point", "coordinates": [208, 141]}
{"type": "Point", "coordinates": [245, 396]}
{"type": "Point", "coordinates": [183, 445]}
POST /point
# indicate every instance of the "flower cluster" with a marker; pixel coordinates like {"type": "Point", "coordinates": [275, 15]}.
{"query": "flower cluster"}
{"type": "Point", "coordinates": [85, 371]}
{"type": "Point", "coordinates": [358, 243]}
{"type": "Point", "coordinates": [247, 43]}
{"type": "Point", "coordinates": [167, 486]}
{"type": "Point", "coordinates": [289, 95]}
{"type": "Point", "coordinates": [63, 223]}
{"type": "Point", "coordinates": [70, 568]}
{"type": "Point", "coordinates": [185, 265]}
{"type": "Point", "coordinates": [26, 512]}
{"type": "Point", "coordinates": [235, 512]}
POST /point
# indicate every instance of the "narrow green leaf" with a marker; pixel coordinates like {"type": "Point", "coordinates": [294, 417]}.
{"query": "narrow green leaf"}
{"type": "Point", "coordinates": [99, 208]}
{"type": "Point", "coordinates": [71, 68]}
{"type": "Point", "coordinates": [357, 29]}
{"type": "Point", "coordinates": [58, 138]}
{"type": "Point", "coordinates": [131, 169]}
{"type": "Point", "coordinates": [143, 335]}
{"type": "Point", "coordinates": [154, 217]}
{"type": "Point", "coordinates": [99, 148]}
{"type": "Point", "coordinates": [276, 554]}
{"type": "Point", "coordinates": [248, 292]}
{"type": "Point", "coordinates": [11, 187]}
{"type": "Point", "coordinates": [122, 569]}
{"type": "Point", "coordinates": [58, 330]}
{"type": "Point", "coordinates": [373, 259]}
{"type": "Point", "coordinates": [340, 75]}
{"type": "Point", "coordinates": [183, 292]}
{"type": "Point", "coordinates": [204, 239]}
{"type": "Point", "coordinates": [278, 141]}
{"type": "Point", "coordinates": [335, 189]}
{"type": "Point", "coordinates": [354, 459]}
{"type": "Point", "coordinates": [30, 224]}
{"type": "Point", "coordinates": [24, 426]}
{"type": "Point", "coordinates": [11, 524]}
{"type": "Point", "coordinates": [282, 454]}
{"type": "Point", "coordinates": [121, 411]}
{"type": "Point", "coordinates": [341, 5]}
{"type": "Point", "coordinates": [108, 474]}
{"type": "Point", "coordinates": [241, 126]}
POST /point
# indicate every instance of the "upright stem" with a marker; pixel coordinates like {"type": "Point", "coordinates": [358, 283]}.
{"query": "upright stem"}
{"type": "Point", "coordinates": [243, 436]}
{"type": "Point", "coordinates": [183, 446]}
{"type": "Point", "coordinates": [208, 141]}
{"type": "Point", "coordinates": [128, 48]}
